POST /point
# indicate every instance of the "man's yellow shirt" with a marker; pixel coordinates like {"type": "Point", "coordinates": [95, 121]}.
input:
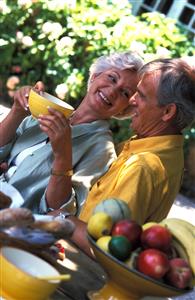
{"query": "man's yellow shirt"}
{"type": "Point", "coordinates": [147, 175]}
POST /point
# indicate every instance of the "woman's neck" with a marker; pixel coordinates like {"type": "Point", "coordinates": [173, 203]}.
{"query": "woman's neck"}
{"type": "Point", "coordinates": [83, 114]}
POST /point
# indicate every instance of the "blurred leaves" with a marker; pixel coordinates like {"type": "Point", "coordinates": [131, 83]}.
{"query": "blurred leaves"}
{"type": "Point", "coordinates": [56, 42]}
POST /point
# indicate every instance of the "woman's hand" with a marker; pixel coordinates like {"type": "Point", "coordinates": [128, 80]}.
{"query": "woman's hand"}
{"type": "Point", "coordinates": [56, 126]}
{"type": "Point", "coordinates": [21, 97]}
{"type": "Point", "coordinates": [17, 113]}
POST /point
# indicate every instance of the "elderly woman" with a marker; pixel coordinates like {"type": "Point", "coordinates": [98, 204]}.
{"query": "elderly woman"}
{"type": "Point", "coordinates": [42, 153]}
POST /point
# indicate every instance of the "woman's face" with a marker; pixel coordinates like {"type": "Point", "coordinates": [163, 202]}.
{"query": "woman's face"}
{"type": "Point", "coordinates": [110, 91]}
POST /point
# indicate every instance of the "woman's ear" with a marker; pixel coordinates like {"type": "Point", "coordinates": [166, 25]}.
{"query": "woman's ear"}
{"type": "Point", "coordinates": [94, 76]}
{"type": "Point", "coordinates": [169, 112]}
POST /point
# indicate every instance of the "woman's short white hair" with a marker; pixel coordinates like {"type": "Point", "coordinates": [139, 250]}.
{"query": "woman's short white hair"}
{"type": "Point", "coordinates": [120, 60]}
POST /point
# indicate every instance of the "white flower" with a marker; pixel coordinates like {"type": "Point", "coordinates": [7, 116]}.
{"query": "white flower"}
{"type": "Point", "coordinates": [19, 36]}
{"type": "Point", "coordinates": [59, 4]}
{"type": "Point", "coordinates": [53, 29]}
{"type": "Point", "coordinates": [24, 2]}
{"type": "Point", "coordinates": [66, 41]}
{"type": "Point", "coordinates": [64, 46]}
{"type": "Point", "coordinates": [61, 90]}
{"type": "Point", "coordinates": [27, 41]}
{"type": "Point", "coordinates": [47, 27]}
{"type": "Point", "coordinates": [4, 9]}
{"type": "Point", "coordinates": [163, 52]}
{"type": "Point", "coordinates": [3, 42]}
{"type": "Point", "coordinates": [138, 46]}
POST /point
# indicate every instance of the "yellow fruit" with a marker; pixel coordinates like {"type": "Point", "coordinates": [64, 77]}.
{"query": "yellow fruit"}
{"type": "Point", "coordinates": [116, 208]}
{"type": "Point", "coordinates": [148, 225]}
{"type": "Point", "coordinates": [103, 241]}
{"type": "Point", "coordinates": [99, 224]}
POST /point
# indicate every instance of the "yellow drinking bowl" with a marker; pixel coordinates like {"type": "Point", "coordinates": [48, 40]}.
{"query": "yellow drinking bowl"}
{"type": "Point", "coordinates": [125, 283]}
{"type": "Point", "coordinates": [19, 272]}
{"type": "Point", "coordinates": [38, 104]}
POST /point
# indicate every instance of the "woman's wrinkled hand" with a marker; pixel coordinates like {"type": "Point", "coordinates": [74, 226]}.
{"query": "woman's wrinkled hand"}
{"type": "Point", "coordinates": [56, 126]}
{"type": "Point", "coordinates": [21, 99]}
{"type": "Point", "coordinates": [21, 96]}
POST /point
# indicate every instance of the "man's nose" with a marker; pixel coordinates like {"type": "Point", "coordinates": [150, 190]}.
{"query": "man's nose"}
{"type": "Point", "coordinates": [132, 100]}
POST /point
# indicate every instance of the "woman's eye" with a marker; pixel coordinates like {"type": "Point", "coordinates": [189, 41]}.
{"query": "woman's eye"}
{"type": "Point", "coordinates": [112, 78]}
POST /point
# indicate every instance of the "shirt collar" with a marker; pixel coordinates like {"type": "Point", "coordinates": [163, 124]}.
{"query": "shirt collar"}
{"type": "Point", "coordinates": [154, 143]}
{"type": "Point", "coordinates": [81, 129]}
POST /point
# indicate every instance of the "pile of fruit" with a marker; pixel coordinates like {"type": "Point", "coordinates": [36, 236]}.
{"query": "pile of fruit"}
{"type": "Point", "coordinates": [163, 251]}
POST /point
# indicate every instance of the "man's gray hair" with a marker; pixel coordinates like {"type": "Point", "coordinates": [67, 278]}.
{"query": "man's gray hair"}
{"type": "Point", "coordinates": [120, 60]}
{"type": "Point", "coordinates": [176, 85]}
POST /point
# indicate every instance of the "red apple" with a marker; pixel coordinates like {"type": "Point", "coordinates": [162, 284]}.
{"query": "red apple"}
{"type": "Point", "coordinates": [179, 274]}
{"type": "Point", "coordinates": [153, 262]}
{"type": "Point", "coordinates": [158, 237]}
{"type": "Point", "coordinates": [130, 229]}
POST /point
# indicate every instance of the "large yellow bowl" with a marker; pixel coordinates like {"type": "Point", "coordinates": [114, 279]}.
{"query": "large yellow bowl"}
{"type": "Point", "coordinates": [19, 270]}
{"type": "Point", "coordinates": [38, 104]}
{"type": "Point", "coordinates": [125, 283]}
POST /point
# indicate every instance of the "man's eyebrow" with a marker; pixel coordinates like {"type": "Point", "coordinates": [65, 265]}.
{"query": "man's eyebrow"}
{"type": "Point", "coordinates": [140, 92]}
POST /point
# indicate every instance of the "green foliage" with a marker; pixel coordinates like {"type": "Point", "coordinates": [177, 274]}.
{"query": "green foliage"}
{"type": "Point", "coordinates": [189, 135]}
{"type": "Point", "coordinates": [56, 42]}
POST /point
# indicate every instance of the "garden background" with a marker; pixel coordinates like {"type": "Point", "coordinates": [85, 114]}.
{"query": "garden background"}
{"type": "Point", "coordinates": [56, 41]}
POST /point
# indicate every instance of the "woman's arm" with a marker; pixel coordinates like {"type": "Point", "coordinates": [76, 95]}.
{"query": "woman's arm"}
{"type": "Point", "coordinates": [10, 124]}
{"type": "Point", "coordinates": [18, 112]}
{"type": "Point", "coordinates": [57, 128]}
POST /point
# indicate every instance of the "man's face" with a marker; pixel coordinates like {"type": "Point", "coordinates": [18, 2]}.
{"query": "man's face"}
{"type": "Point", "coordinates": [147, 115]}
{"type": "Point", "coordinates": [110, 91]}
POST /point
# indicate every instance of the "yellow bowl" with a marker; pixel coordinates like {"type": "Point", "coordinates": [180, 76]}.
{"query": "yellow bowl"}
{"type": "Point", "coordinates": [125, 283]}
{"type": "Point", "coordinates": [38, 104]}
{"type": "Point", "coordinates": [19, 271]}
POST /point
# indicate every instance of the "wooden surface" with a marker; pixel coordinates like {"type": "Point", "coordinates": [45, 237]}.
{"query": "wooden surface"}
{"type": "Point", "coordinates": [86, 275]}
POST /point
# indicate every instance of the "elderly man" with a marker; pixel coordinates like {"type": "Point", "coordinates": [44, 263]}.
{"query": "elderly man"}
{"type": "Point", "coordinates": [148, 172]}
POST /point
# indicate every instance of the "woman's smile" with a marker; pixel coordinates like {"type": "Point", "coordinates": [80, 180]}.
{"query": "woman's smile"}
{"type": "Point", "coordinates": [103, 98]}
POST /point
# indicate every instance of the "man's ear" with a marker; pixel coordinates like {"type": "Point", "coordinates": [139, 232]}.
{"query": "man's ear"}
{"type": "Point", "coordinates": [169, 112]}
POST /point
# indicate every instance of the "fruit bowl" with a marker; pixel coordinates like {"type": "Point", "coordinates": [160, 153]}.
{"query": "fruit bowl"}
{"type": "Point", "coordinates": [38, 104]}
{"type": "Point", "coordinates": [125, 283]}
